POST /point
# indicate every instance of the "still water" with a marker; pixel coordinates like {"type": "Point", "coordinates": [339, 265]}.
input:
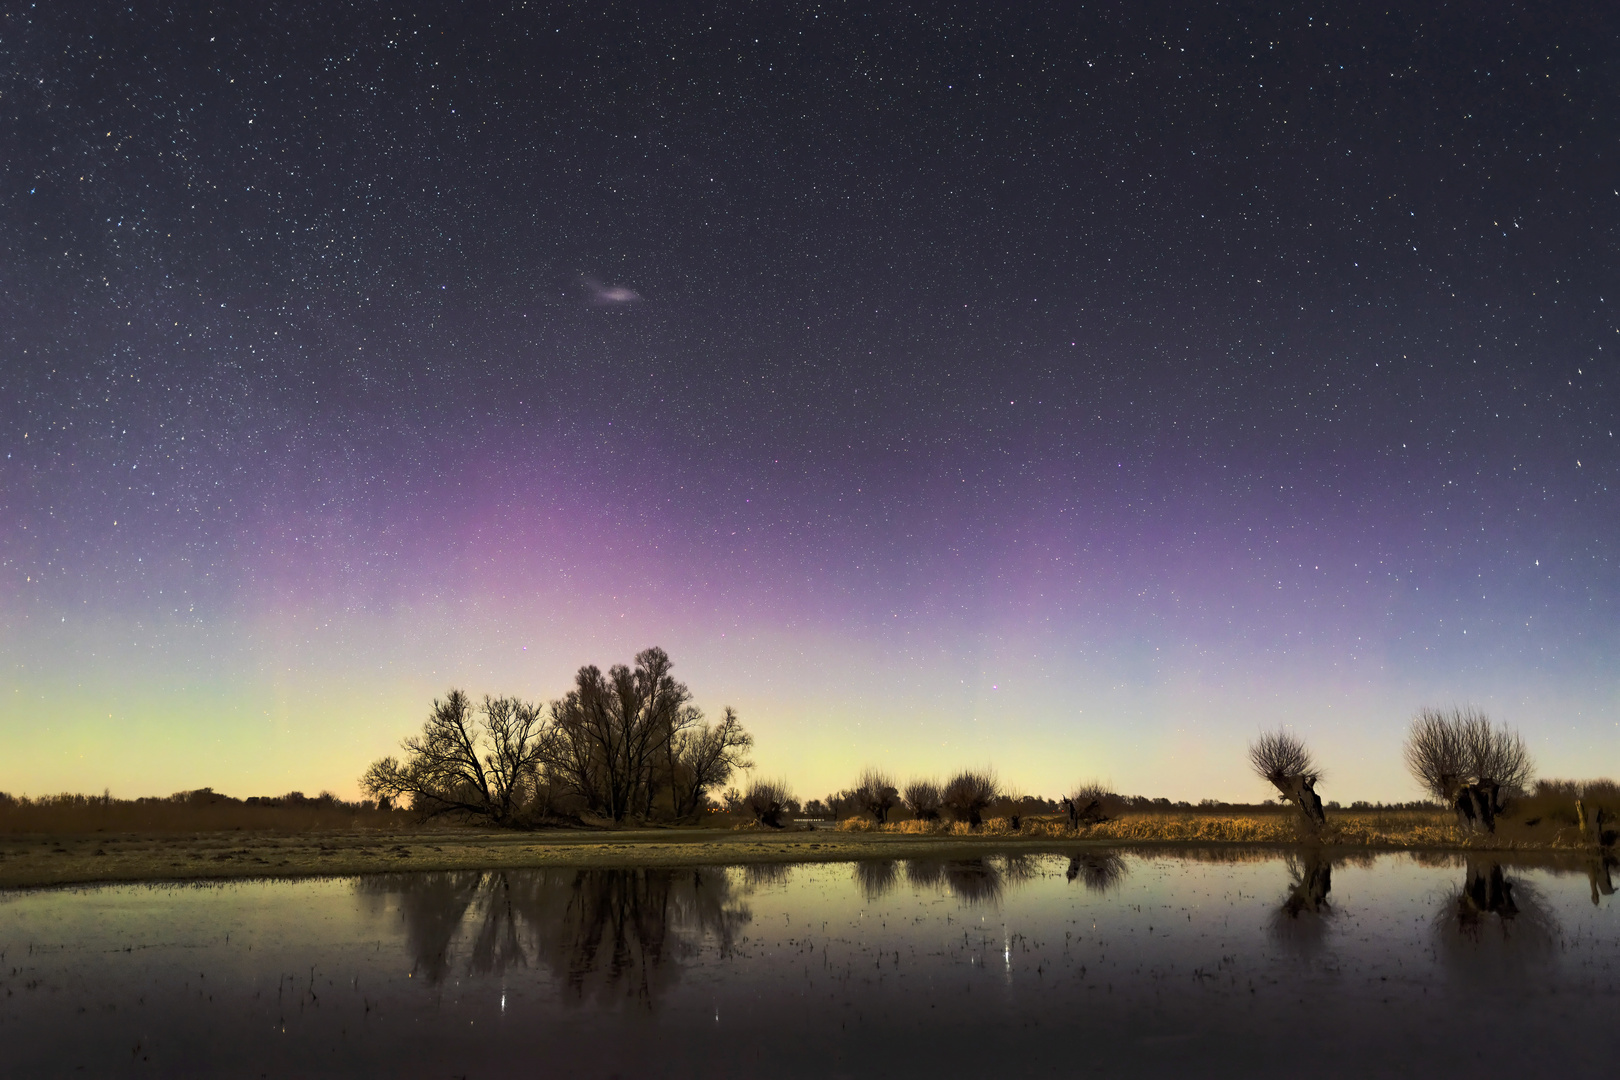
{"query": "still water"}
{"type": "Point", "coordinates": [1214, 964]}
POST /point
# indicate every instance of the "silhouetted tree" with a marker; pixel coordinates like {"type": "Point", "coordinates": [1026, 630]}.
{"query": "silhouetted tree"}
{"type": "Point", "coordinates": [875, 794]}
{"type": "Point", "coordinates": [1468, 764]}
{"type": "Point", "coordinates": [613, 730]}
{"type": "Point", "coordinates": [922, 799]}
{"type": "Point", "coordinates": [842, 804]}
{"type": "Point", "coordinates": [968, 794]}
{"type": "Point", "coordinates": [1282, 759]}
{"type": "Point", "coordinates": [481, 761]}
{"type": "Point", "coordinates": [705, 756]}
{"type": "Point", "coordinates": [769, 801]}
{"type": "Point", "coordinates": [1085, 805]}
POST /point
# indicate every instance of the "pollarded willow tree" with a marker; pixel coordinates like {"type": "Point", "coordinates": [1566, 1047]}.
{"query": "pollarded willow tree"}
{"type": "Point", "coordinates": [876, 794]}
{"type": "Point", "coordinates": [1087, 804]}
{"type": "Point", "coordinates": [922, 798]}
{"type": "Point", "coordinates": [1282, 759]}
{"type": "Point", "coordinates": [968, 795]}
{"type": "Point", "coordinates": [770, 801]}
{"type": "Point", "coordinates": [1469, 764]}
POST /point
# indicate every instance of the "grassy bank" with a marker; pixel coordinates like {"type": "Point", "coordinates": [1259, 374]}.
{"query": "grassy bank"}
{"type": "Point", "coordinates": [394, 843]}
{"type": "Point", "coordinates": [1374, 829]}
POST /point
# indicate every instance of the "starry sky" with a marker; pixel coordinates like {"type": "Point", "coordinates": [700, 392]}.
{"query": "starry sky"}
{"type": "Point", "coordinates": [1074, 389]}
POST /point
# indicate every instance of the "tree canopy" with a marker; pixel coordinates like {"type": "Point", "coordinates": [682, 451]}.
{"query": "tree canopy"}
{"type": "Point", "coordinates": [624, 743]}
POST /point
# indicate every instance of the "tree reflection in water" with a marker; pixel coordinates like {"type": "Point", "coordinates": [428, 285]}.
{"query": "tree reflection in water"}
{"type": "Point", "coordinates": [607, 933]}
{"type": "Point", "coordinates": [1312, 875]}
{"type": "Point", "coordinates": [1493, 927]}
{"type": "Point", "coordinates": [1098, 871]}
{"type": "Point", "coordinates": [1298, 921]}
{"type": "Point", "coordinates": [1597, 875]}
{"type": "Point", "coordinates": [762, 875]}
{"type": "Point", "coordinates": [876, 877]}
{"type": "Point", "coordinates": [973, 881]}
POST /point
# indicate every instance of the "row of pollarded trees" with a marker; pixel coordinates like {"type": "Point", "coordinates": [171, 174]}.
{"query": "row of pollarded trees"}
{"type": "Point", "coordinates": [964, 798]}
{"type": "Point", "coordinates": [625, 743]}
{"type": "Point", "coordinates": [1458, 755]}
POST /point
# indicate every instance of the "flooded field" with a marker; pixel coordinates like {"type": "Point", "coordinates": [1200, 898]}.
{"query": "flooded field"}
{"type": "Point", "coordinates": [1219, 963]}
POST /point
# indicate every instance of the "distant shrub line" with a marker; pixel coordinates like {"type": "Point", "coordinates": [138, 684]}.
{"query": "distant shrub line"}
{"type": "Point", "coordinates": [202, 810]}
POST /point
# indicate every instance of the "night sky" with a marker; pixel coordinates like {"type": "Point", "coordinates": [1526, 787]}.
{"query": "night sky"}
{"type": "Point", "coordinates": [1070, 389]}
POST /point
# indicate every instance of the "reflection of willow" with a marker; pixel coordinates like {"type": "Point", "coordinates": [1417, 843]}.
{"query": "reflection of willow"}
{"type": "Point", "coordinates": [1493, 926]}
{"type": "Point", "coordinates": [1298, 920]}
{"type": "Point", "coordinates": [609, 933]}
{"type": "Point", "coordinates": [1098, 871]}
{"type": "Point", "coordinates": [876, 877]}
{"type": "Point", "coordinates": [973, 881]}
{"type": "Point", "coordinates": [763, 875]}
{"type": "Point", "coordinates": [1597, 874]}
{"type": "Point", "coordinates": [1312, 881]}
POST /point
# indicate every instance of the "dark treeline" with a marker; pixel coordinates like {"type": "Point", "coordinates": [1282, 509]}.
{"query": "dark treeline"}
{"type": "Point", "coordinates": [629, 745]}
{"type": "Point", "coordinates": [201, 810]}
{"type": "Point", "coordinates": [625, 744]}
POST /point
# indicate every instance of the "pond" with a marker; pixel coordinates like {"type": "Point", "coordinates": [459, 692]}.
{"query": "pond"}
{"type": "Point", "coordinates": [1212, 963]}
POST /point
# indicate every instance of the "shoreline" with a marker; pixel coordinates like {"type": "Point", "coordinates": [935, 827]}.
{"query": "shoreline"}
{"type": "Point", "coordinates": [35, 862]}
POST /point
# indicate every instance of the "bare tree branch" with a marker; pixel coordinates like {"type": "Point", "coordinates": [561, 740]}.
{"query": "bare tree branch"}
{"type": "Point", "coordinates": [770, 801]}
{"type": "Point", "coordinates": [922, 798]}
{"type": "Point", "coordinates": [1473, 767]}
{"type": "Point", "coordinates": [968, 794]}
{"type": "Point", "coordinates": [876, 794]}
{"type": "Point", "coordinates": [459, 765]}
{"type": "Point", "coordinates": [705, 757]}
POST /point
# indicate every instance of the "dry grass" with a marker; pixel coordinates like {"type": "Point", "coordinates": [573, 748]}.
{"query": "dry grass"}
{"type": "Point", "coordinates": [1371, 829]}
